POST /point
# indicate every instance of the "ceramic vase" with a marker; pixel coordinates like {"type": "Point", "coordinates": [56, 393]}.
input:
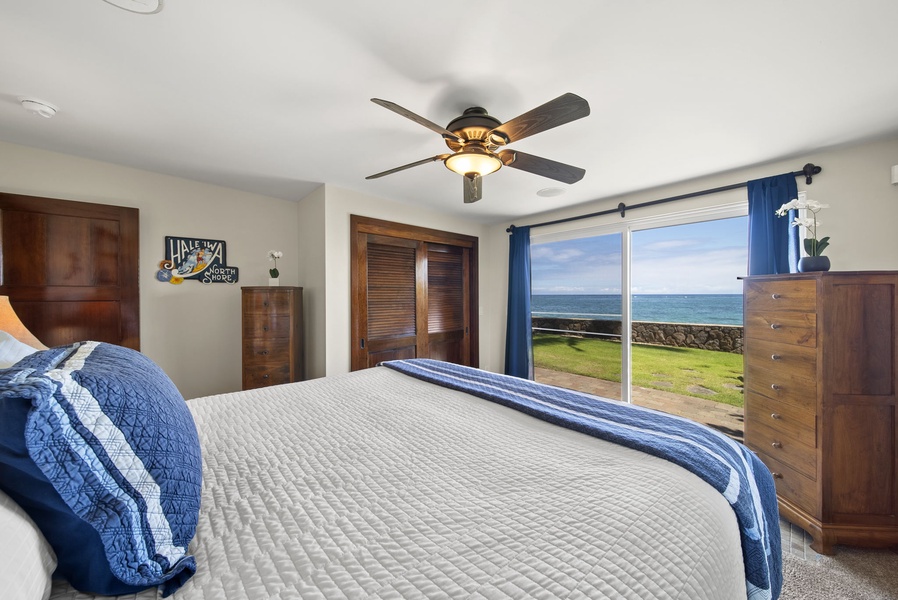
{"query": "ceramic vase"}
{"type": "Point", "coordinates": [807, 264]}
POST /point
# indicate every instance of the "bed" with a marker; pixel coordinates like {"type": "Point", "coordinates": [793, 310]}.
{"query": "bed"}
{"type": "Point", "coordinates": [384, 484]}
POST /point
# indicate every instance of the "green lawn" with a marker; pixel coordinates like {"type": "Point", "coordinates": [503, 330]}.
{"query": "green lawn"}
{"type": "Point", "coordinates": [686, 371]}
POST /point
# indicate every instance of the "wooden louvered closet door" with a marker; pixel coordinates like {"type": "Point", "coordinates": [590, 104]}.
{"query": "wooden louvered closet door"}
{"type": "Point", "coordinates": [391, 321]}
{"type": "Point", "coordinates": [447, 314]}
{"type": "Point", "coordinates": [413, 294]}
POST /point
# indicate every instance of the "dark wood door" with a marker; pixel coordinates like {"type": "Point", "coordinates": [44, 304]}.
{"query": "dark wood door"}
{"type": "Point", "coordinates": [414, 294]}
{"type": "Point", "coordinates": [447, 305]}
{"type": "Point", "coordinates": [70, 269]}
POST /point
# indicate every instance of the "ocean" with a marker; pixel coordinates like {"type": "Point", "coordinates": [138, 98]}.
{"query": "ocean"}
{"type": "Point", "coordinates": [706, 309]}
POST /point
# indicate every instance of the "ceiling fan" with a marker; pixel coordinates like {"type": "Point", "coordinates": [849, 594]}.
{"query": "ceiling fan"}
{"type": "Point", "coordinates": [476, 137]}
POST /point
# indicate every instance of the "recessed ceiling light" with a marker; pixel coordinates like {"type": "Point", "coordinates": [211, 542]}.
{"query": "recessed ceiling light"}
{"type": "Point", "coordinates": [144, 7]}
{"type": "Point", "coordinates": [550, 192]}
{"type": "Point", "coordinates": [38, 107]}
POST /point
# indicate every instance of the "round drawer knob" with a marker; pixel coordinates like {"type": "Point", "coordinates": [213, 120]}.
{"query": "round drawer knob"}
{"type": "Point", "coordinates": [775, 416]}
{"type": "Point", "coordinates": [265, 328]}
{"type": "Point", "coordinates": [775, 325]}
{"type": "Point", "coordinates": [775, 296]}
{"type": "Point", "coordinates": [775, 386]}
{"type": "Point", "coordinates": [777, 444]}
{"type": "Point", "coordinates": [777, 475]}
{"type": "Point", "coordinates": [775, 357]}
{"type": "Point", "coordinates": [263, 352]}
{"type": "Point", "coordinates": [265, 376]}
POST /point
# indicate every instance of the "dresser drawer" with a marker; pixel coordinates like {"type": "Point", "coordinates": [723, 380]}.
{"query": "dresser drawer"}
{"type": "Point", "coordinates": [799, 295]}
{"type": "Point", "coordinates": [267, 326]}
{"type": "Point", "coordinates": [794, 361]}
{"type": "Point", "coordinates": [793, 422]}
{"type": "Point", "coordinates": [782, 447]}
{"type": "Point", "coordinates": [792, 485]}
{"type": "Point", "coordinates": [259, 351]}
{"type": "Point", "coordinates": [797, 328]}
{"type": "Point", "coordinates": [273, 301]}
{"type": "Point", "coordinates": [781, 385]}
{"type": "Point", "coordinates": [264, 375]}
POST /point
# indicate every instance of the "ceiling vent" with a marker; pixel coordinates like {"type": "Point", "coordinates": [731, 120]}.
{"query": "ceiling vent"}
{"type": "Point", "coordinates": [143, 7]}
{"type": "Point", "coordinates": [39, 107]}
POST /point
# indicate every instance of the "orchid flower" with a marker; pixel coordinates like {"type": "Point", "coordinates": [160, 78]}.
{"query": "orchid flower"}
{"type": "Point", "coordinates": [812, 245]}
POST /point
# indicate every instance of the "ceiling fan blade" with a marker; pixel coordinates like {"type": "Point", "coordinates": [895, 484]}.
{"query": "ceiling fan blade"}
{"type": "Point", "coordinates": [542, 166]}
{"type": "Point", "coordinates": [563, 109]}
{"type": "Point", "coordinates": [408, 166]}
{"type": "Point", "coordinates": [473, 188]}
{"type": "Point", "coordinates": [417, 119]}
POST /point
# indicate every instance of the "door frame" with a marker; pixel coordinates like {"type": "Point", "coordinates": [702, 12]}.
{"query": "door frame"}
{"type": "Point", "coordinates": [360, 227]}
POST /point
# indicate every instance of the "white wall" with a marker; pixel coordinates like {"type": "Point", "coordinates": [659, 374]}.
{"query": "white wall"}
{"type": "Point", "coordinates": [312, 277]}
{"type": "Point", "coordinates": [855, 182]}
{"type": "Point", "coordinates": [191, 330]}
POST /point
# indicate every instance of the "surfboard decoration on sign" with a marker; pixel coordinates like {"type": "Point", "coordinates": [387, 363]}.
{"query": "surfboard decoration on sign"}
{"type": "Point", "coordinates": [195, 258]}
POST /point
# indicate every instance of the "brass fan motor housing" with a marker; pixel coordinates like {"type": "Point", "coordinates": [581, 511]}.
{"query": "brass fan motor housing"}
{"type": "Point", "coordinates": [474, 125]}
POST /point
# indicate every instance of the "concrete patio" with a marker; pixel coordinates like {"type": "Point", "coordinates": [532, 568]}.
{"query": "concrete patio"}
{"type": "Point", "coordinates": [723, 417]}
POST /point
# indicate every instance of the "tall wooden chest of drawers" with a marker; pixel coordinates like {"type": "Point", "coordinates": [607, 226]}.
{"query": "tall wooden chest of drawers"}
{"type": "Point", "coordinates": [272, 336]}
{"type": "Point", "coordinates": [820, 400]}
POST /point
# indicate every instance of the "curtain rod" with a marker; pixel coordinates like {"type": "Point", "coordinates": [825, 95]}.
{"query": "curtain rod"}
{"type": "Point", "coordinates": [809, 170]}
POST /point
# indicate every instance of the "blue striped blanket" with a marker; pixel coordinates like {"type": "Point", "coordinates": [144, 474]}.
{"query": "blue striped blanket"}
{"type": "Point", "coordinates": [729, 467]}
{"type": "Point", "coordinates": [105, 458]}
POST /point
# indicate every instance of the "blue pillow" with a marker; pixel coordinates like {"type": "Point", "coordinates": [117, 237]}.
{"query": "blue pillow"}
{"type": "Point", "coordinates": [99, 448]}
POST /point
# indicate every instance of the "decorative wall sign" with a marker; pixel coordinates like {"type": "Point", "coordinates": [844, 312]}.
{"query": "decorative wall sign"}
{"type": "Point", "coordinates": [195, 258]}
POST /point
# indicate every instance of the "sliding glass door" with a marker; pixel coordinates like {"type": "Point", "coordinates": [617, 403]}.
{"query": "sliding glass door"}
{"type": "Point", "coordinates": [577, 306]}
{"type": "Point", "coordinates": [648, 312]}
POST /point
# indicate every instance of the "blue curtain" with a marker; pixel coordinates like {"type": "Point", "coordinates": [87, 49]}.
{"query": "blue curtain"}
{"type": "Point", "coordinates": [772, 241]}
{"type": "Point", "coordinates": [518, 341]}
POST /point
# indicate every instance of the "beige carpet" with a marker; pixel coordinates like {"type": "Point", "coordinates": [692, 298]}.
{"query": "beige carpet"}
{"type": "Point", "coordinates": [849, 574]}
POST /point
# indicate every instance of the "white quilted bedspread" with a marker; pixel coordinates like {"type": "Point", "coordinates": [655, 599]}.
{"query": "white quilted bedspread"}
{"type": "Point", "coordinates": [377, 485]}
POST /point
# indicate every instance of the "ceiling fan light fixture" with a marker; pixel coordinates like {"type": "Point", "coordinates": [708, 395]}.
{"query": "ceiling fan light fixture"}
{"type": "Point", "coordinates": [476, 160]}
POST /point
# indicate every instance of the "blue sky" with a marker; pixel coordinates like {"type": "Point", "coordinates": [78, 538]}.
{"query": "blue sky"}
{"type": "Point", "coordinates": [699, 258]}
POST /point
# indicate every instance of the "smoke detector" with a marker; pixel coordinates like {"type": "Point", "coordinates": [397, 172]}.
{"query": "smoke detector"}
{"type": "Point", "coordinates": [38, 107]}
{"type": "Point", "coordinates": [143, 7]}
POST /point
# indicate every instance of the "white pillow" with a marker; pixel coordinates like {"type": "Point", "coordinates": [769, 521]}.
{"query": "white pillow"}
{"type": "Point", "coordinates": [27, 561]}
{"type": "Point", "coordinates": [12, 350]}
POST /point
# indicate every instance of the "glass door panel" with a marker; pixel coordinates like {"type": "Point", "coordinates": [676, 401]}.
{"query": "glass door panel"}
{"type": "Point", "coordinates": [578, 314]}
{"type": "Point", "coordinates": [687, 320]}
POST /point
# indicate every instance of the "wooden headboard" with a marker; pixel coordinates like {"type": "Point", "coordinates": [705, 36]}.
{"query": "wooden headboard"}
{"type": "Point", "coordinates": [70, 269]}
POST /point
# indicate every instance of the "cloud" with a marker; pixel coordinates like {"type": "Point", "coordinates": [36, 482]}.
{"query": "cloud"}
{"type": "Point", "coordinates": [669, 245]}
{"type": "Point", "coordinates": [546, 252]}
{"type": "Point", "coordinates": [700, 258]}
{"type": "Point", "coordinates": [560, 289]}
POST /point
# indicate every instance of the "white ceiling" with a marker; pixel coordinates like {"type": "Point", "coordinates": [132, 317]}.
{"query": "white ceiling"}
{"type": "Point", "coordinates": [272, 96]}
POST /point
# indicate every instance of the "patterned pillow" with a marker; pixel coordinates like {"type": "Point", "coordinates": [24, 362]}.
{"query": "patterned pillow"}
{"type": "Point", "coordinates": [99, 448]}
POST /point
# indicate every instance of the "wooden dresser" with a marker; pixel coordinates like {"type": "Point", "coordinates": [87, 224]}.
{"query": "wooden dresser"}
{"type": "Point", "coordinates": [272, 336]}
{"type": "Point", "coordinates": [820, 400]}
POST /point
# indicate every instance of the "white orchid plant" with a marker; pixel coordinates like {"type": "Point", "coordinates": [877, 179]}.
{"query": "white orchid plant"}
{"type": "Point", "coordinates": [812, 245]}
{"type": "Point", "coordinates": [274, 255]}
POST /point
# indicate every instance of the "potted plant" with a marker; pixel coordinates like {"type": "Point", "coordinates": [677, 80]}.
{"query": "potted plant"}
{"type": "Point", "coordinates": [814, 261]}
{"type": "Point", "coordinates": [273, 273]}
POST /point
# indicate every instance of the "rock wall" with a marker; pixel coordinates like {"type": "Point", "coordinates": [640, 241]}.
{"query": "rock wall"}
{"type": "Point", "coordinates": [721, 338]}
